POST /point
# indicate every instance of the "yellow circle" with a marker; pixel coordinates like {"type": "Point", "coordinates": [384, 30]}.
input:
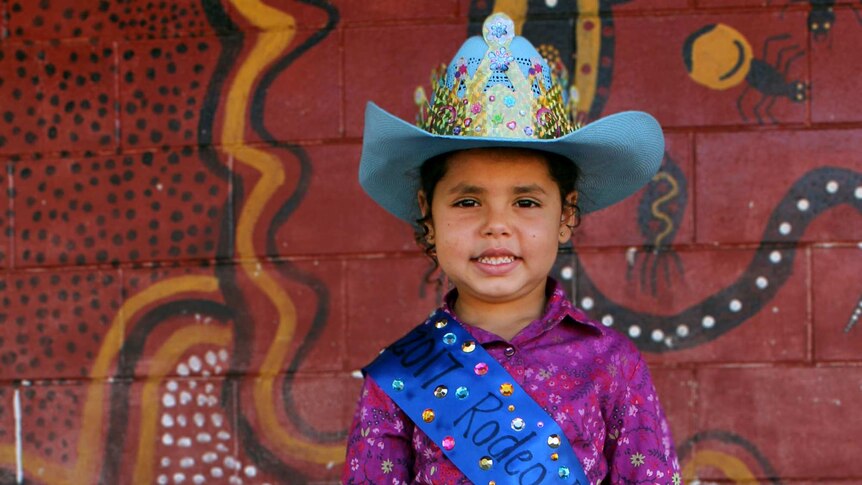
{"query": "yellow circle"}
{"type": "Point", "coordinates": [428, 415]}
{"type": "Point", "coordinates": [717, 56]}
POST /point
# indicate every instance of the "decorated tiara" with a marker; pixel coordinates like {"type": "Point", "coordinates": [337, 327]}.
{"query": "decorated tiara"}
{"type": "Point", "coordinates": [497, 86]}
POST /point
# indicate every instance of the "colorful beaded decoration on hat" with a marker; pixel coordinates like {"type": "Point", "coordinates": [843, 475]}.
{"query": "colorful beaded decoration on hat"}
{"type": "Point", "coordinates": [504, 97]}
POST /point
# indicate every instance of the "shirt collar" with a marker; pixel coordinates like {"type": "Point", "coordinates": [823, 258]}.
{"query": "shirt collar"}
{"type": "Point", "coordinates": [557, 310]}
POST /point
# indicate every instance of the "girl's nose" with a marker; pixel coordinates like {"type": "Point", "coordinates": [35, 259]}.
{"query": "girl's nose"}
{"type": "Point", "coordinates": [497, 224]}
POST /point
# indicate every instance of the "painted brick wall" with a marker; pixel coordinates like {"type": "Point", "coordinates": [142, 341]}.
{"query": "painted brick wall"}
{"type": "Point", "coordinates": [191, 274]}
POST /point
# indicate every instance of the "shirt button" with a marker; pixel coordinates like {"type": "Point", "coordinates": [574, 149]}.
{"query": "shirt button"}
{"type": "Point", "coordinates": [510, 351]}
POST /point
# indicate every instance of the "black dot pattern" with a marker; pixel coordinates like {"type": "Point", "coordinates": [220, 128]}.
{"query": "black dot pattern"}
{"type": "Point", "coordinates": [106, 18]}
{"type": "Point", "coordinates": [5, 215]}
{"type": "Point", "coordinates": [62, 67]}
{"type": "Point", "coordinates": [151, 206]}
{"type": "Point", "coordinates": [50, 418]}
{"type": "Point", "coordinates": [61, 95]}
{"type": "Point", "coordinates": [162, 85]}
{"type": "Point", "coordinates": [52, 325]}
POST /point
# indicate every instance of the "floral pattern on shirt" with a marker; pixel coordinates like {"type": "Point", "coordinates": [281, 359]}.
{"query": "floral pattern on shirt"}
{"type": "Point", "coordinates": [589, 378]}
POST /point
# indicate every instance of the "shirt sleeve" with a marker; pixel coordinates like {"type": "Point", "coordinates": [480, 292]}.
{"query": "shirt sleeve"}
{"type": "Point", "coordinates": [379, 445]}
{"type": "Point", "coordinates": [639, 448]}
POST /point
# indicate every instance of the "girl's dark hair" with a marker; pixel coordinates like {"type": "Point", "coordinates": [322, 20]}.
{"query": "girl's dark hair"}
{"type": "Point", "coordinates": [561, 169]}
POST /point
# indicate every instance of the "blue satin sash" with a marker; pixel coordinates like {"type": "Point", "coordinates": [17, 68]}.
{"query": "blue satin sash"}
{"type": "Point", "coordinates": [473, 409]}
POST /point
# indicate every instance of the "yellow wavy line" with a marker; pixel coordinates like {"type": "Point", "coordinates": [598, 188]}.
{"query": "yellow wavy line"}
{"type": "Point", "coordinates": [654, 207]}
{"type": "Point", "coordinates": [267, 48]}
{"type": "Point", "coordinates": [92, 418]}
{"type": "Point", "coordinates": [589, 43]}
{"type": "Point", "coordinates": [163, 362]}
{"type": "Point", "coordinates": [516, 9]}
{"type": "Point", "coordinates": [36, 466]}
{"type": "Point", "coordinates": [731, 466]}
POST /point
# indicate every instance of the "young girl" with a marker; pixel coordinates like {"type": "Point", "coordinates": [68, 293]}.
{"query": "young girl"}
{"type": "Point", "coordinates": [507, 382]}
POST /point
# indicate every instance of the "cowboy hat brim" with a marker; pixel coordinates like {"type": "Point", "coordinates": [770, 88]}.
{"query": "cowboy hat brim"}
{"type": "Point", "coordinates": [615, 155]}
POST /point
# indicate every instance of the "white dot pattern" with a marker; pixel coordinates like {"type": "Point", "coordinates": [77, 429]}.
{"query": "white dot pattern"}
{"type": "Point", "coordinates": [192, 427]}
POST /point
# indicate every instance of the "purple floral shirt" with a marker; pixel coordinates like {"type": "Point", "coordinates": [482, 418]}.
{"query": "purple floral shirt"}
{"type": "Point", "coordinates": [589, 378]}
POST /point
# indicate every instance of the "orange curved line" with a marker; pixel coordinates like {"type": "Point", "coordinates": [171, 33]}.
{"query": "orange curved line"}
{"type": "Point", "coordinates": [92, 422]}
{"type": "Point", "coordinates": [163, 362]}
{"type": "Point", "coordinates": [732, 467]}
{"type": "Point", "coordinates": [36, 466]}
{"type": "Point", "coordinates": [90, 439]}
{"type": "Point", "coordinates": [268, 47]}
{"type": "Point", "coordinates": [589, 43]}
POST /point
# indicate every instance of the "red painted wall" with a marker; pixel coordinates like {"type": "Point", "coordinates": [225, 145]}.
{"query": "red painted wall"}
{"type": "Point", "coordinates": [191, 273]}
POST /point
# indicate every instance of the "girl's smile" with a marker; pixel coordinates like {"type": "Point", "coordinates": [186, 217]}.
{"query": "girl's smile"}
{"type": "Point", "coordinates": [497, 221]}
{"type": "Point", "coordinates": [496, 261]}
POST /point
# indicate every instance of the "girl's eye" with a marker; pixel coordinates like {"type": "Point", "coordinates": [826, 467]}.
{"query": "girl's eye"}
{"type": "Point", "coordinates": [526, 203]}
{"type": "Point", "coordinates": [466, 203]}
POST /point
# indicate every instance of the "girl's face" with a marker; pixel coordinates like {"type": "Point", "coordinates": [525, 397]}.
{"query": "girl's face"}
{"type": "Point", "coordinates": [497, 221]}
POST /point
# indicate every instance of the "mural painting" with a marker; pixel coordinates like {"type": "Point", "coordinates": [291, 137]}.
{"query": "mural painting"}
{"type": "Point", "coordinates": [153, 326]}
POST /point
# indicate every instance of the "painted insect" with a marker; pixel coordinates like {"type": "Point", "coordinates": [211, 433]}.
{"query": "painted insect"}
{"type": "Point", "coordinates": [821, 17]}
{"type": "Point", "coordinates": [770, 79]}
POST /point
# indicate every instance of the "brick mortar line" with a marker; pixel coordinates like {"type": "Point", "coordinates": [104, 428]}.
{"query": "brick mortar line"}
{"type": "Point", "coordinates": [120, 150]}
{"type": "Point", "coordinates": [143, 378]}
{"type": "Point", "coordinates": [168, 264]}
{"type": "Point", "coordinates": [346, 373]}
{"type": "Point", "coordinates": [761, 365]}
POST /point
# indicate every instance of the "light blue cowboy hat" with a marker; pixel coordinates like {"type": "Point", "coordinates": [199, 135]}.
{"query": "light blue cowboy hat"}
{"type": "Point", "coordinates": [479, 101]}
